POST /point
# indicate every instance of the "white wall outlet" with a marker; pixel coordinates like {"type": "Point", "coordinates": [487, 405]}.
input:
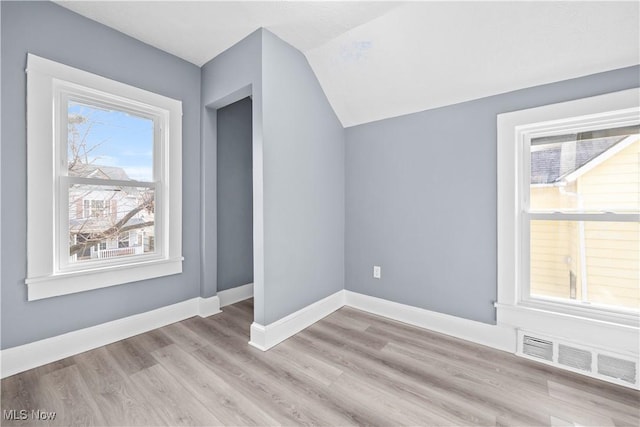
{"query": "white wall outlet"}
{"type": "Point", "coordinates": [377, 271]}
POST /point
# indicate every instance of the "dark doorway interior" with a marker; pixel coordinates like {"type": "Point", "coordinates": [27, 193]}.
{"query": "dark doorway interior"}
{"type": "Point", "coordinates": [235, 195]}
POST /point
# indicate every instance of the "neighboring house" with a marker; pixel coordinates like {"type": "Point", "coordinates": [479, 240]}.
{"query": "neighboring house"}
{"type": "Point", "coordinates": [97, 224]}
{"type": "Point", "coordinates": [600, 174]}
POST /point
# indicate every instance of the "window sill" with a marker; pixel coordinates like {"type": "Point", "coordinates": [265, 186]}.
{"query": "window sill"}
{"type": "Point", "coordinates": [578, 313]}
{"type": "Point", "coordinates": [619, 333]}
{"type": "Point", "coordinates": [85, 280]}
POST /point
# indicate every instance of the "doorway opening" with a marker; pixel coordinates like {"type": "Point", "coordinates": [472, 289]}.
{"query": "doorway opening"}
{"type": "Point", "coordinates": [234, 210]}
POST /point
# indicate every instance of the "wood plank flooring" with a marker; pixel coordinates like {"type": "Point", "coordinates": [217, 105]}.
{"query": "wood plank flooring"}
{"type": "Point", "coordinates": [351, 368]}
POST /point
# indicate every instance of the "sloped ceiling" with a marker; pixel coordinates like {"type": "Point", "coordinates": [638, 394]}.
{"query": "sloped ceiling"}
{"type": "Point", "coordinates": [383, 59]}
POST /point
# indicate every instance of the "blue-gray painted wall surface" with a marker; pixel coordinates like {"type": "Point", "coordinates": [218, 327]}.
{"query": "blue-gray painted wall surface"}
{"type": "Point", "coordinates": [303, 172]}
{"type": "Point", "coordinates": [235, 195]}
{"type": "Point", "coordinates": [421, 198]}
{"type": "Point", "coordinates": [229, 77]}
{"type": "Point", "coordinates": [53, 32]}
{"type": "Point", "coordinates": [303, 184]}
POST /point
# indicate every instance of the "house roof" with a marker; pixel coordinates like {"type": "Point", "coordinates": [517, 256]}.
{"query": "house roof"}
{"type": "Point", "coordinates": [99, 171]}
{"type": "Point", "coordinates": [547, 164]}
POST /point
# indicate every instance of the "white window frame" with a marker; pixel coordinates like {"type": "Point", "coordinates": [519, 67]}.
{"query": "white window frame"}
{"type": "Point", "coordinates": [49, 86]}
{"type": "Point", "coordinates": [63, 93]}
{"type": "Point", "coordinates": [515, 130]}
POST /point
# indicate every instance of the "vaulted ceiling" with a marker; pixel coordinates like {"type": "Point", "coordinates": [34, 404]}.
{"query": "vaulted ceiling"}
{"type": "Point", "coordinates": [376, 60]}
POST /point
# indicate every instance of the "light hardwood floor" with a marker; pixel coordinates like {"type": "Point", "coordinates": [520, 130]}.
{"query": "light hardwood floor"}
{"type": "Point", "coordinates": [351, 368]}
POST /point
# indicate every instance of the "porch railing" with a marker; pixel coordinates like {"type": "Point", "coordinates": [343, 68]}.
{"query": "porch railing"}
{"type": "Point", "coordinates": [116, 252]}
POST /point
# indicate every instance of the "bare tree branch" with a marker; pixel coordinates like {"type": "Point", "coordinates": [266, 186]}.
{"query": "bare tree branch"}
{"type": "Point", "coordinates": [100, 237]}
{"type": "Point", "coordinates": [116, 229]}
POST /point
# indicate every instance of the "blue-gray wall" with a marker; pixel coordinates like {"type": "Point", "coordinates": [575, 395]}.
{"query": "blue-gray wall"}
{"type": "Point", "coordinates": [235, 195]}
{"type": "Point", "coordinates": [303, 184]}
{"type": "Point", "coordinates": [229, 77]}
{"type": "Point", "coordinates": [298, 148]}
{"type": "Point", "coordinates": [421, 198]}
{"type": "Point", "coordinates": [53, 32]}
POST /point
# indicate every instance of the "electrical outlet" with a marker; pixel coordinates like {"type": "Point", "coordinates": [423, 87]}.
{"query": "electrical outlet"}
{"type": "Point", "coordinates": [377, 271]}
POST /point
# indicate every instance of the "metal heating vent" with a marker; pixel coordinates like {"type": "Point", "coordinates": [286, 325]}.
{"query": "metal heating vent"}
{"type": "Point", "coordinates": [613, 367]}
{"type": "Point", "coordinates": [537, 347]}
{"type": "Point", "coordinates": [617, 368]}
{"type": "Point", "coordinates": [574, 357]}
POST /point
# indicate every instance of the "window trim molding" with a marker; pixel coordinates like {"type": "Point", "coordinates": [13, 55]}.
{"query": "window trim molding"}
{"type": "Point", "coordinates": [512, 308]}
{"type": "Point", "coordinates": [44, 277]}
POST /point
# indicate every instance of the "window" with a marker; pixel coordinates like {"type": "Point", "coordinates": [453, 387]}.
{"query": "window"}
{"type": "Point", "coordinates": [92, 208]}
{"type": "Point", "coordinates": [581, 216]}
{"type": "Point", "coordinates": [569, 208]}
{"type": "Point", "coordinates": [104, 181]}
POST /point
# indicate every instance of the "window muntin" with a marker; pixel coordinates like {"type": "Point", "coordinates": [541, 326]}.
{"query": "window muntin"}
{"type": "Point", "coordinates": [580, 210]}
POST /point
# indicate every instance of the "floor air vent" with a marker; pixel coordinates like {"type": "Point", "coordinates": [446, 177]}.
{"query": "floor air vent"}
{"type": "Point", "coordinates": [537, 347]}
{"type": "Point", "coordinates": [613, 367]}
{"type": "Point", "coordinates": [620, 369]}
{"type": "Point", "coordinates": [574, 357]}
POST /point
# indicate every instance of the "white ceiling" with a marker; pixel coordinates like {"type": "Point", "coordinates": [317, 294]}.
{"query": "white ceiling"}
{"type": "Point", "coordinates": [382, 59]}
{"type": "Point", "coordinates": [197, 31]}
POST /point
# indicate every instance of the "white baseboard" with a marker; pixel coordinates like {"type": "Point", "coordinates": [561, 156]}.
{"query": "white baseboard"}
{"type": "Point", "coordinates": [499, 337]}
{"type": "Point", "coordinates": [24, 357]}
{"type": "Point", "coordinates": [265, 337]}
{"type": "Point", "coordinates": [259, 337]}
{"type": "Point", "coordinates": [234, 295]}
{"type": "Point", "coordinates": [208, 306]}
{"type": "Point", "coordinates": [28, 356]}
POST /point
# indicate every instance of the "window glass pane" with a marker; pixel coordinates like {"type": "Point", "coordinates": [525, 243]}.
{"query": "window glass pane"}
{"type": "Point", "coordinates": [108, 144]}
{"type": "Point", "coordinates": [590, 261]}
{"type": "Point", "coordinates": [591, 171]}
{"type": "Point", "coordinates": [110, 222]}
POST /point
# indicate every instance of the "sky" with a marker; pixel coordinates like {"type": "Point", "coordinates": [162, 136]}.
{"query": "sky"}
{"type": "Point", "coordinates": [115, 138]}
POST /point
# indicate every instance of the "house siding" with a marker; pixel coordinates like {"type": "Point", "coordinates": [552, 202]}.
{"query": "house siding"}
{"type": "Point", "coordinates": [613, 249]}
